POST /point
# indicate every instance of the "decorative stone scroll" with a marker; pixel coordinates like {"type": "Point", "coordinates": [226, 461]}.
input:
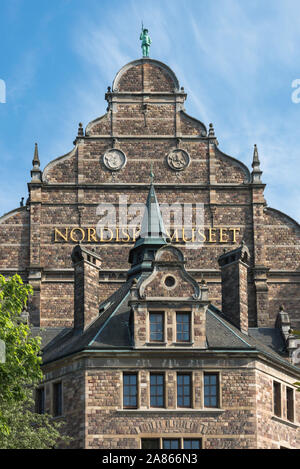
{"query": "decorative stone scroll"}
{"type": "Point", "coordinates": [114, 159]}
{"type": "Point", "coordinates": [178, 159]}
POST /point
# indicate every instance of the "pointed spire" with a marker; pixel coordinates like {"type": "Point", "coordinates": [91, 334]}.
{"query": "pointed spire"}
{"type": "Point", "coordinates": [36, 173]}
{"type": "Point", "coordinates": [256, 173]}
{"type": "Point", "coordinates": [36, 160]}
{"type": "Point", "coordinates": [152, 225]}
{"type": "Point", "coordinates": [152, 236]}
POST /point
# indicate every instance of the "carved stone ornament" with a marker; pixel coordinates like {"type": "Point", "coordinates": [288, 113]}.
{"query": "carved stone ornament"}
{"type": "Point", "coordinates": [114, 159]}
{"type": "Point", "coordinates": [178, 159]}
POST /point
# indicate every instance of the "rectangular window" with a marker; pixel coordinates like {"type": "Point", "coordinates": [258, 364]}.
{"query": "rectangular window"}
{"type": "Point", "coordinates": [172, 443]}
{"type": "Point", "coordinates": [290, 404]}
{"type": "Point", "coordinates": [192, 444]}
{"type": "Point", "coordinates": [156, 327]}
{"type": "Point", "coordinates": [157, 390]}
{"type": "Point", "coordinates": [211, 390]}
{"type": "Point", "coordinates": [184, 390]}
{"type": "Point", "coordinates": [277, 399]}
{"type": "Point", "coordinates": [130, 390]}
{"type": "Point", "coordinates": [40, 401]}
{"type": "Point", "coordinates": [150, 443]}
{"type": "Point", "coordinates": [183, 327]}
{"type": "Point", "coordinates": [57, 399]}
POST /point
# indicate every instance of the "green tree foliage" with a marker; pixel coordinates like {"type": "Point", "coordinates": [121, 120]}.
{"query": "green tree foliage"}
{"type": "Point", "coordinates": [20, 427]}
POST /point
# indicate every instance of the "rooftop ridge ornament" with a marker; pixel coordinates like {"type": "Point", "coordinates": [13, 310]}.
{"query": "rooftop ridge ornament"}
{"type": "Point", "coordinates": [146, 41]}
{"type": "Point", "coordinates": [256, 173]}
{"type": "Point", "coordinates": [36, 173]}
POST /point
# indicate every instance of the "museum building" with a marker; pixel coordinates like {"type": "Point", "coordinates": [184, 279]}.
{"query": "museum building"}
{"type": "Point", "coordinates": [150, 339]}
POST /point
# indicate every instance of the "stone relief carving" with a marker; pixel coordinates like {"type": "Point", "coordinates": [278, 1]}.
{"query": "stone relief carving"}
{"type": "Point", "coordinates": [114, 159]}
{"type": "Point", "coordinates": [178, 159]}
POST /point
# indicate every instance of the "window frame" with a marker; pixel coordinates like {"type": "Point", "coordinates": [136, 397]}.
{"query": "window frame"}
{"type": "Point", "coordinates": [150, 439]}
{"type": "Point", "coordinates": [171, 439]}
{"type": "Point", "coordinates": [277, 399]}
{"type": "Point", "coordinates": [190, 375]}
{"type": "Point", "coordinates": [57, 399]}
{"type": "Point", "coordinates": [163, 406]}
{"type": "Point", "coordinates": [128, 373]}
{"type": "Point", "coordinates": [181, 441]}
{"type": "Point", "coordinates": [192, 439]}
{"type": "Point", "coordinates": [184, 313]}
{"type": "Point", "coordinates": [218, 387]}
{"type": "Point", "coordinates": [290, 404]}
{"type": "Point", "coordinates": [162, 314]}
{"type": "Point", "coordinates": [40, 400]}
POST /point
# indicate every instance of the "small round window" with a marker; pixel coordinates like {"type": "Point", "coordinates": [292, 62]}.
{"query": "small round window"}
{"type": "Point", "coordinates": [169, 281]}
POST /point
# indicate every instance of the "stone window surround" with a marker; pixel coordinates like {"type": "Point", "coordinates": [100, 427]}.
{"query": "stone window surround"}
{"type": "Point", "coordinates": [174, 341]}
{"type": "Point", "coordinates": [282, 418]}
{"type": "Point", "coordinates": [137, 390]}
{"type": "Point", "coordinates": [167, 408]}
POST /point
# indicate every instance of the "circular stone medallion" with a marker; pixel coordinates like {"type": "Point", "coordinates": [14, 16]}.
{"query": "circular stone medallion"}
{"type": "Point", "coordinates": [114, 159]}
{"type": "Point", "coordinates": [178, 159]}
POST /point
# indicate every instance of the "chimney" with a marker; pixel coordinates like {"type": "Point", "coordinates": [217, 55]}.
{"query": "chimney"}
{"type": "Point", "coordinates": [234, 273]}
{"type": "Point", "coordinates": [86, 286]}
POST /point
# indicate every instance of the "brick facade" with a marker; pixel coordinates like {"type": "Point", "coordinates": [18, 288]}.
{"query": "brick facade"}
{"type": "Point", "coordinates": [146, 122]}
{"type": "Point", "coordinates": [245, 419]}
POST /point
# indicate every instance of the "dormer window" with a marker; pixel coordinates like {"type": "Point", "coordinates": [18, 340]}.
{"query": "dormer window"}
{"type": "Point", "coordinates": [156, 327]}
{"type": "Point", "coordinates": [183, 327]}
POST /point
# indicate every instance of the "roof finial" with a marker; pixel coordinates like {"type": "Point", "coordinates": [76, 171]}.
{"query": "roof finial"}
{"type": "Point", "coordinates": [80, 130]}
{"type": "Point", "coordinates": [36, 173]}
{"type": "Point", "coordinates": [256, 173]}
{"type": "Point", "coordinates": [36, 160]}
{"type": "Point", "coordinates": [146, 41]}
{"type": "Point", "coordinates": [211, 132]}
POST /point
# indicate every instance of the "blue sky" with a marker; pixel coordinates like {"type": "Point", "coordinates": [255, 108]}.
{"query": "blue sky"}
{"type": "Point", "coordinates": [237, 60]}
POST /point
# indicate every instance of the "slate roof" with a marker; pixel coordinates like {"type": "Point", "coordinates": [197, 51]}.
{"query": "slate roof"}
{"type": "Point", "coordinates": [111, 331]}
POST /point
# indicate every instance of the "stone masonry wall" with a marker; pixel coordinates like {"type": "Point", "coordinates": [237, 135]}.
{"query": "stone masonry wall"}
{"type": "Point", "coordinates": [146, 130]}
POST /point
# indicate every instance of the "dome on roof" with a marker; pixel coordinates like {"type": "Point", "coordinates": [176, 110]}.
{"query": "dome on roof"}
{"type": "Point", "coordinates": [145, 74]}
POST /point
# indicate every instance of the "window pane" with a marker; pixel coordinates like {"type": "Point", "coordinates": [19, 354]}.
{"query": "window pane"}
{"type": "Point", "coordinates": [183, 390]}
{"type": "Point", "coordinates": [211, 390]}
{"type": "Point", "coordinates": [40, 400]}
{"type": "Point", "coordinates": [192, 444]}
{"type": "Point", "coordinates": [290, 404]}
{"type": "Point", "coordinates": [156, 390]}
{"type": "Point", "coordinates": [130, 390]}
{"type": "Point", "coordinates": [150, 443]}
{"type": "Point", "coordinates": [183, 327]}
{"type": "Point", "coordinates": [57, 399]}
{"type": "Point", "coordinates": [171, 444]}
{"type": "Point", "coordinates": [156, 327]}
{"type": "Point", "coordinates": [277, 398]}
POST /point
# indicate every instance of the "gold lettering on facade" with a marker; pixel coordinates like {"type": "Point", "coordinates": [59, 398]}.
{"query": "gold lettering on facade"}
{"type": "Point", "coordinates": [234, 230]}
{"type": "Point", "coordinates": [171, 237]}
{"type": "Point", "coordinates": [91, 235]}
{"type": "Point", "coordinates": [72, 233]}
{"type": "Point", "coordinates": [221, 239]}
{"type": "Point", "coordinates": [210, 234]}
{"type": "Point", "coordinates": [125, 233]}
{"type": "Point", "coordinates": [203, 235]}
{"type": "Point", "coordinates": [59, 233]}
{"type": "Point", "coordinates": [122, 234]}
